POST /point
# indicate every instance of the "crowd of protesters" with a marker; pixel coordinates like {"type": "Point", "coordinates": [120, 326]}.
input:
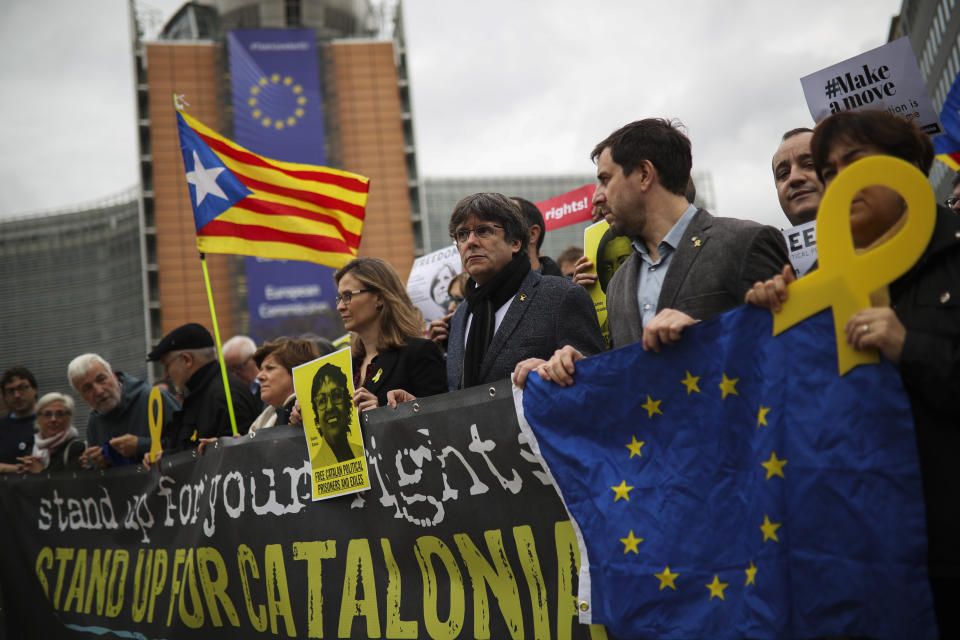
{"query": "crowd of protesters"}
{"type": "Point", "coordinates": [670, 266]}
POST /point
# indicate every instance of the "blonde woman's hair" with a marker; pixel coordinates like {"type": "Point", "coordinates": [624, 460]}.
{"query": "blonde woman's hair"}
{"type": "Point", "coordinates": [398, 316]}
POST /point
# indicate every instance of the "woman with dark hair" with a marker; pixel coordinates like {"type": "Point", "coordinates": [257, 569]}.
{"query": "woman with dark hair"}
{"type": "Point", "coordinates": [388, 352]}
{"type": "Point", "coordinates": [917, 327]}
{"type": "Point", "coordinates": [276, 361]}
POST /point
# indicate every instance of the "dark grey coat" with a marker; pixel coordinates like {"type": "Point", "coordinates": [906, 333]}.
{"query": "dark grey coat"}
{"type": "Point", "coordinates": [548, 312]}
{"type": "Point", "coordinates": [717, 261]}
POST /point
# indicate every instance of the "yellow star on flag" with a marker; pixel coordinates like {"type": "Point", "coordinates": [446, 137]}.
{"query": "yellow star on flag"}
{"type": "Point", "coordinates": [774, 466]}
{"type": "Point", "coordinates": [652, 406]}
{"type": "Point", "coordinates": [690, 382]}
{"type": "Point", "coordinates": [751, 572]}
{"type": "Point", "coordinates": [769, 529]}
{"type": "Point", "coordinates": [716, 587]}
{"type": "Point", "coordinates": [762, 415]}
{"type": "Point", "coordinates": [728, 386]}
{"type": "Point", "coordinates": [622, 491]}
{"type": "Point", "coordinates": [630, 543]}
{"type": "Point", "coordinates": [666, 579]}
{"type": "Point", "coordinates": [635, 447]}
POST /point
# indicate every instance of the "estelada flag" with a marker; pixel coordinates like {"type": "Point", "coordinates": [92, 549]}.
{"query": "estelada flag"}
{"type": "Point", "coordinates": [250, 205]}
{"type": "Point", "coordinates": [947, 146]}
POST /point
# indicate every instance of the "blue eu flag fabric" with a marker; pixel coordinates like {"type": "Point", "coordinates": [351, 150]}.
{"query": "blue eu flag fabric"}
{"type": "Point", "coordinates": [734, 486]}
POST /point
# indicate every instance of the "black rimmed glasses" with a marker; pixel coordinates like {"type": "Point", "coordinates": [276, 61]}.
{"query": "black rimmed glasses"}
{"type": "Point", "coordinates": [482, 231]}
{"type": "Point", "coordinates": [347, 296]}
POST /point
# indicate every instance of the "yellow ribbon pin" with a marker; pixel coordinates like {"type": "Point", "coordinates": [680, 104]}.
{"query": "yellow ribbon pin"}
{"type": "Point", "coordinates": [844, 280]}
{"type": "Point", "coordinates": [376, 378]}
{"type": "Point", "coordinates": [155, 420]}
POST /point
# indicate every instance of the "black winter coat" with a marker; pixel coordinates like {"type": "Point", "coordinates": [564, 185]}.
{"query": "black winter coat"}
{"type": "Point", "coordinates": [927, 301]}
{"type": "Point", "coordinates": [204, 412]}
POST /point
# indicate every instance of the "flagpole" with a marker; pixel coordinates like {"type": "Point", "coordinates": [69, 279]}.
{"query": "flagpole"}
{"type": "Point", "coordinates": [216, 338]}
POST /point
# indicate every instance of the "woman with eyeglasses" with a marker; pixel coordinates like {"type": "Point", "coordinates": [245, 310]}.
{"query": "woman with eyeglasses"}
{"type": "Point", "coordinates": [388, 352]}
{"type": "Point", "coordinates": [916, 326]}
{"type": "Point", "coordinates": [57, 445]}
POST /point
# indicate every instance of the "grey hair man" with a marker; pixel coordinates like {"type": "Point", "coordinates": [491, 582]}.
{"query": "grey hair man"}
{"type": "Point", "coordinates": [118, 430]}
{"type": "Point", "coordinates": [189, 360]}
{"type": "Point", "coordinates": [238, 356]}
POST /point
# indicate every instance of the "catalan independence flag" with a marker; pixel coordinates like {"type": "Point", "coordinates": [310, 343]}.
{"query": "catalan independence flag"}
{"type": "Point", "coordinates": [254, 206]}
{"type": "Point", "coordinates": [735, 486]}
{"type": "Point", "coordinates": [947, 146]}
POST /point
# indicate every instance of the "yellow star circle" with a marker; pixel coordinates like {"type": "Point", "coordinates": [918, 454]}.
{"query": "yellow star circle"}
{"type": "Point", "coordinates": [281, 121]}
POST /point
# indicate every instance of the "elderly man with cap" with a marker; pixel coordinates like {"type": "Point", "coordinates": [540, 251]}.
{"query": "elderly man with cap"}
{"type": "Point", "coordinates": [189, 360]}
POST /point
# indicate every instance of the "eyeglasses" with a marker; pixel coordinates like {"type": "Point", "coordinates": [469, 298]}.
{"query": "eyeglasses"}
{"type": "Point", "coordinates": [347, 296]}
{"type": "Point", "coordinates": [952, 201]}
{"type": "Point", "coordinates": [336, 396]}
{"type": "Point", "coordinates": [237, 368]}
{"type": "Point", "coordinates": [54, 414]}
{"type": "Point", "coordinates": [482, 231]}
{"type": "Point", "coordinates": [20, 388]}
{"type": "Point", "coordinates": [457, 299]}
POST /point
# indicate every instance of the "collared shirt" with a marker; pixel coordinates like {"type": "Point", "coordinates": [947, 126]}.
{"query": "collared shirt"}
{"type": "Point", "coordinates": [498, 316]}
{"type": "Point", "coordinates": [651, 274]}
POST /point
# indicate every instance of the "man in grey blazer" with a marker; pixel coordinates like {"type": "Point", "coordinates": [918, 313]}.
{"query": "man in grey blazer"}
{"type": "Point", "coordinates": [687, 265]}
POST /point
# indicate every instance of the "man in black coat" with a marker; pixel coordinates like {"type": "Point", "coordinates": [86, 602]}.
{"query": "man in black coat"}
{"type": "Point", "coordinates": [189, 360]}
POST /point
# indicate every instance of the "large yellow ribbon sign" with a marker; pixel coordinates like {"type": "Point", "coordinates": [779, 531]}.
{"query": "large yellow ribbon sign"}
{"type": "Point", "coordinates": [155, 420]}
{"type": "Point", "coordinates": [844, 280]}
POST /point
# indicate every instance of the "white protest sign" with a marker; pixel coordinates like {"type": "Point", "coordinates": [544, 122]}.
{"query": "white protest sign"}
{"type": "Point", "coordinates": [429, 278]}
{"type": "Point", "coordinates": [885, 78]}
{"type": "Point", "coordinates": [802, 245]}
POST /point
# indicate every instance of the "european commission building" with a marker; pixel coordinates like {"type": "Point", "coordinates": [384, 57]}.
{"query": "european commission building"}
{"type": "Point", "coordinates": [72, 283]}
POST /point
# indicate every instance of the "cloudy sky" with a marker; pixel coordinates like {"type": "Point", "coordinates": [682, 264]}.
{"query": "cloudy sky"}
{"type": "Point", "coordinates": [499, 87]}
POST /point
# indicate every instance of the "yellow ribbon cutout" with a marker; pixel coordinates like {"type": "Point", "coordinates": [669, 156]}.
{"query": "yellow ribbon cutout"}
{"type": "Point", "coordinates": [155, 419]}
{"type": "Point", "coordinates": [843, 279]}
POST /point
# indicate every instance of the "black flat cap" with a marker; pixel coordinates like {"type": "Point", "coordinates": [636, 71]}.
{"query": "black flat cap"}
{"type": "Point", "coordinates": [189, 336]}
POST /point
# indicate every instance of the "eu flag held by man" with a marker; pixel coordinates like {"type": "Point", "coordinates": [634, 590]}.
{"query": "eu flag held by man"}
{"type": "Point", "coordinates": [735, 486]}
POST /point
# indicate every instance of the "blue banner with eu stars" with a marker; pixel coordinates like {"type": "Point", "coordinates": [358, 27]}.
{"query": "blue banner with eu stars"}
{"type": "Point", "coordinates": [735, 486]}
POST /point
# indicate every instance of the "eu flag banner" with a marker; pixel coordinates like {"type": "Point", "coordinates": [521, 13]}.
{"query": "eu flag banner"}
{"type": "Point", "coordinates": [250, 205]}
{"type": "Point", "coordinates": [734, 486]}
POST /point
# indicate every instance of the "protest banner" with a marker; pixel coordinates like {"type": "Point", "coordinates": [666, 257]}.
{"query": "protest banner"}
{"type": "Point", "coordinates": [569, 208]}
{"type": "Point", "coordinates": [429, 279]}
{"type": "Point", "coordinates": [460, 536]}
{"type": "Point", "coordinates": [885, 78]}
{"type": "Point", "coordinates": [802, 245]}
{"type": "Point", "coordinates": [330, 425]}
